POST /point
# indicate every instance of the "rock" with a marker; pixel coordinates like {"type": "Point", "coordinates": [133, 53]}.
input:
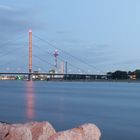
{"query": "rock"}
{"type": "Point", "coordinates": [45, 131]}
{"type": "Point", "coordinates": [28, 131]}
{"type": "Point", "coordinates": [84, 132]}
{"type": "Point", "coordinates": [18, 133]}
{"type": "Point", "coordinates": [3, 130]}
{"type": "Point", "coordinates": [41, 131]}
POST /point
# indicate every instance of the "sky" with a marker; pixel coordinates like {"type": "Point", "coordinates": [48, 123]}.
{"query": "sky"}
{"type": "Point", "coordinates": [103, 33]}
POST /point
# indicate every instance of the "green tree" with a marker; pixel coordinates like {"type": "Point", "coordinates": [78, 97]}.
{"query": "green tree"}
{"type": "Point", "coordinates": [120, 75]}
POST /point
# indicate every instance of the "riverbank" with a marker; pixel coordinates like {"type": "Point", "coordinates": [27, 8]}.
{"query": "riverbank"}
{"type": "Point", "coordinates": [81, 80]}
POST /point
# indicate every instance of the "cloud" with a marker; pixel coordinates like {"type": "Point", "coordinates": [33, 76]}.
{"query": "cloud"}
{"type": "Point", "coordinates": [6, 8]}
{"type": "Point", "coordinates": [132, 61]}
{"type": "Point", "coordinates": [14, 21]}
{"type": "Point", "coordinates": [63, 32]}
{"type": "Point", "coordinates": [67, 41]}
{"type": "Point", "coordinates": [14, 26]}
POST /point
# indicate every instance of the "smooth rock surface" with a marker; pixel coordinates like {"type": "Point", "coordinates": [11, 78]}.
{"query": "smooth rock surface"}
{"type": "Point", "coordinates": [28, 131]}
{"type": "Point", "coordinates": [45, 131]}
{"type": "Point", "coordinates": [18, 133]}
{"type": "Point", "coordinates": [84, 132]}
{"type": "Point", "coordinates": [4, 128]}
{"type": "Point", "coordinates": [41, 131]}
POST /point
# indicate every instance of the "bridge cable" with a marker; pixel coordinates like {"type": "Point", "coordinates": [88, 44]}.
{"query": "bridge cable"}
{"type": "Point", "coordinates": [62, 60]}
{"type": "Point", "coordinates": [80, 60]}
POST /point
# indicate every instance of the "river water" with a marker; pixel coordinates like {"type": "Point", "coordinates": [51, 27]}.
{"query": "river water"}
{"type": "Point", "coordinates": [113, 107]}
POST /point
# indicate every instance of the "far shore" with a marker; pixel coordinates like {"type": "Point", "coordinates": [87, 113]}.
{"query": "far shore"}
{"type": "Point", "coordinates": [96, 80]}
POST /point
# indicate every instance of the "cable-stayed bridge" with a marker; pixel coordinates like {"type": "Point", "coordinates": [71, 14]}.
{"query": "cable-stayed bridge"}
{"type": "Point", "coordinates": [34, 56]}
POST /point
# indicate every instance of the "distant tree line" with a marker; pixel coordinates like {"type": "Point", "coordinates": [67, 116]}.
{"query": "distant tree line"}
{"type": "Point", "coordinates": [120, 75]}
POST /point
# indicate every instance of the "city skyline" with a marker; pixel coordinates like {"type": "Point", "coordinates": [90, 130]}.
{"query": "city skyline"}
{"type": "Point", "coordinates": [103, 33]}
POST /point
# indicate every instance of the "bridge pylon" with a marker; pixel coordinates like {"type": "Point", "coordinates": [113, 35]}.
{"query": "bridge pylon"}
{"type": "Point", "coordinates": [30, 56]}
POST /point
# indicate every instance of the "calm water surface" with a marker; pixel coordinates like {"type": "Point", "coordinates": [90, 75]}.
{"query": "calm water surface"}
{"type": "Point", "coordinates": [113, 107]}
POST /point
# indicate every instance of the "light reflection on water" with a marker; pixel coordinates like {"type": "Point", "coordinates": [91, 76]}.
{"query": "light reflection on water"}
{"type": "Point", "coordinates": [30, 98]}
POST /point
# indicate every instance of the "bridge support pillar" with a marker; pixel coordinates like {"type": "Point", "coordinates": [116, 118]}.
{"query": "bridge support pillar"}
{"type": "Point", "coordinates": [30, 56]}
{"type": "Point", "coordinates": [30, 77]}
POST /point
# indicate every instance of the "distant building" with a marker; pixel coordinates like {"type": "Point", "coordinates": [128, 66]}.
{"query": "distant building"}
{"type": "Point", "coordinates": [7, 77]}
{"type": "Point", "coordinates": [132, 76]}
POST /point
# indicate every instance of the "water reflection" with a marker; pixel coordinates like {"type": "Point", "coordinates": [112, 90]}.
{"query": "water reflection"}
{"type": "Point", "coordinates": [30, 100]}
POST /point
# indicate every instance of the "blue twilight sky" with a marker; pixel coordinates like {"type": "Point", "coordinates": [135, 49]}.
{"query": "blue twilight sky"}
{"type": "Point", "coordinates": [104, 33]}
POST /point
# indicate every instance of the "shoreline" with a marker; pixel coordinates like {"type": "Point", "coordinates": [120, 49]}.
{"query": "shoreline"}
{"type": "Point", "coordinates": [98, 80]}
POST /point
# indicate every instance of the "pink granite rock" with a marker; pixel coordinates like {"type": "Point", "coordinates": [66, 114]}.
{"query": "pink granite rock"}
{"type": "Point", "coordinates": [84, 132]}
{"type": "Point", "coordinates": [44, 131]}
{"type": "Point", "coordinates": [28, 131]}
{"type": "Point", "coordinates": [18, 133]}
{"type": "Point", "coordinates": [41, 131]}
{"type": "Point", "coordinates": [4, 128]}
